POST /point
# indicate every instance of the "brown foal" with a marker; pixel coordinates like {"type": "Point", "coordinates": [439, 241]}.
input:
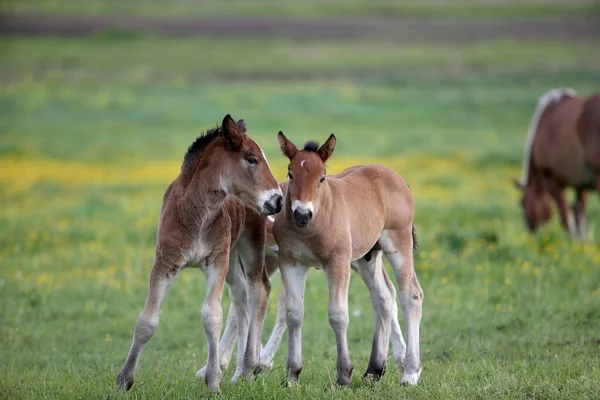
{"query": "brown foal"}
{"type": "Point", "coordinates": [267, 355]}
{"type": "Point", "coordinates": [210, 218]}
{"type": "Point", "coordinates": [562, 150]}
{"type": "Point", "coordinates": [332, 222]}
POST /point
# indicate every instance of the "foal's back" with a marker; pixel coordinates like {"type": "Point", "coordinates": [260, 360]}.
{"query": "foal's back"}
{"type": "Point", "coordinates": [366, 200]}
{"type": "Point", "coordinates": [374, 193]}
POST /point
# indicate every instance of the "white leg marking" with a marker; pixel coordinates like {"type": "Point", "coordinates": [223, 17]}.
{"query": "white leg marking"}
{"type": "Point", "coordinates": [411, 303]}
{"type": "Point", "coordinates": [146, 325]}
{"type": "Point", "coordinates": [381, 300]}
{"type": "Point", "coordinates": [267, 355]}
{"type": "Point", "coordinates": [294, 280]}
{"type": "Point", "coordinates": [239, 290]}
{"type": "Point", "coordinates": [212, 321]}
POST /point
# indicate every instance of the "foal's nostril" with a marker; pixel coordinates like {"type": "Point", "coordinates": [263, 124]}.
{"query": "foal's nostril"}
{"type": "Point", "coordinates": [278, 204]}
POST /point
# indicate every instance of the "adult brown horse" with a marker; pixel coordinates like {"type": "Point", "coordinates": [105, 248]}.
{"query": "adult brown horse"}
{"type": "Point", "coordinates": [562, 150]}
{"type": "Point", "coordinates": [200, 225]}
{"type": "Point", "coordinates": [332, 222]}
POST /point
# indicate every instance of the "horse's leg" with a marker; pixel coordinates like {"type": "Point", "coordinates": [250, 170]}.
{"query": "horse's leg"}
{"type": "Point", "coordinates": [259, 287]}
{"type": "Point", "coordinates": [398, 344]}
{"type": "Point", "coordinates": [230, 334]}
{"type": "Point", "coordinates": [268, 353]}
{"type": "Point", "coordinates": [557, 191]}
{"type": "Point", "coordinates": [338, 279]}
{"type": "Point", "coordinates": [398, 249]}
{"type": "Point", "coordinates": [580, 213]}
{"type": "Point", "coordinates": [161, 279]}
{"type": "Point", "coordinates": [227, 342]}
{"type": "Point", "coordinates": [239, 298]}
{"type": "Point", "coordinates": [294, 281]}
{"type": "Point", "coordinates": [212, 314]}
{"type": "Point", "coordinates": [381, 300]}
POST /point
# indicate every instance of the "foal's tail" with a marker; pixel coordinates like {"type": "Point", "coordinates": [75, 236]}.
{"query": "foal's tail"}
{"type": "Point", "coordinates": [414, 231]}
{"type": "Point", "coordinates": [414, 237]}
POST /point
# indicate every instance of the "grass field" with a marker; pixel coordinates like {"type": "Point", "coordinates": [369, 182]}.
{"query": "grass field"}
{"type": "Point", "coordinates": [93, 129]}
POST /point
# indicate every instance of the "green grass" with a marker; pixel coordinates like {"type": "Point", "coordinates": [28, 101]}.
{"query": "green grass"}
{"type": "Point", "coordinates": [88, 144]}
{"type": "Point", "coordinates": [307, 9]}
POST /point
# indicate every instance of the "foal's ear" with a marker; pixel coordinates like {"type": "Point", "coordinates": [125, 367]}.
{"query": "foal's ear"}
{"type": "Point", "coordinates": [517, 184]}
{"type": "Point", "coordinates": [231, 131]}
{"type": "Point", "coordinates": [288, 148]}
{"type": "Point", "coordinates": [241, 127]}
{"type": "Point", "coordinates": [326, 150]}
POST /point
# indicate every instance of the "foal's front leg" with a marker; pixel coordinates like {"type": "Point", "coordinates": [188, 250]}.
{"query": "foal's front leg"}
{"type": "Point", "coordinates": [212, 315]}
{"type": "Point", "coordinates": [294, 281]}
{"type": "Point", "coordinates": [338, 278]}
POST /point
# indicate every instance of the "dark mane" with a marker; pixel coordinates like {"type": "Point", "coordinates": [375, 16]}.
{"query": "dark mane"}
{"type": "Point", "coordinates": [312, 146]}
{"type": "Point", "coordinates": [200, 143]}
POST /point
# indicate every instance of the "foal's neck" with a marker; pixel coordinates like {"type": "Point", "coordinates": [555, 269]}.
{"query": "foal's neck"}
{"type": "Point", "coordinates": [204, 194]}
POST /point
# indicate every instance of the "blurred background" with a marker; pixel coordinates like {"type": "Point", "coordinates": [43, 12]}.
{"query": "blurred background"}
{"type": "Point", "coordinates": [99, 101]}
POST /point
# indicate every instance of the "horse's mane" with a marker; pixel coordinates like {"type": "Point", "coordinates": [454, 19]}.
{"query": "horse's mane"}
{"type": "Point", "coordinates": [199, 144]}
{"type": "Point", "coordinates": [550, 97]}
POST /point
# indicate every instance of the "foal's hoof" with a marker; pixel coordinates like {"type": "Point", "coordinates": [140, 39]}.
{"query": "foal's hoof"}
{"type": "Point", "coordinates": [288, 383]}
{"type": "Point", "coordinates": [265, 365]}
{"type": "Point", "coordinates": [237, 377]}
{"type": "Point", "coordinates": [124, 382]}
{"type": "Point", "coordinates": [344, 381]}
{"type": "Point", "coordinates": [375, 373]}
{"type": "Point", "coordinates": [410, 379]}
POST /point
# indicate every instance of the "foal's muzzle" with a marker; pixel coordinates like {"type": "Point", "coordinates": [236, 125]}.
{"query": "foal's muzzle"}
{"type": "Point", "coordinates": [302, 217]}
{"type": "Point", "coordinates": [273, 205]}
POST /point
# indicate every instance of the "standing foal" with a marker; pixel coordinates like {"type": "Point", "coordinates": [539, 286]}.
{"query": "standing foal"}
{"type": "Point", "coordinates": [267, 355]}
{"type": "Point", "coordinates": [200, 226]}
{"type": "Point", "coordinates": [333, 222]}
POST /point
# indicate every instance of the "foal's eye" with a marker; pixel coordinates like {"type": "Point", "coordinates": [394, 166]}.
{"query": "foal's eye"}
{"type": "Point", "coordinates": [252, 160]}
{"type": "Point", "coordinates": [322, 179]}
{"type": "Point", "coordinates": [290, 175]}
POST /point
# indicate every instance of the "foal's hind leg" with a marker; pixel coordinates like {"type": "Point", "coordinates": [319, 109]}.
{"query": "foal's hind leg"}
{"type": "Point", "coordinates": [259, 287]}
{"type": "Point", "coordinates": [267, 355]}
{"type": "Point", "coordinates": [381, 299]}
{"type": "Point", "coordinates": [398, 344]}
{"type": "Point", "coordinates": [397, 246]}
{"type": "Point", "coordinates": [161, 278]}
{"type": "Point", "coordinates": [239, 298]}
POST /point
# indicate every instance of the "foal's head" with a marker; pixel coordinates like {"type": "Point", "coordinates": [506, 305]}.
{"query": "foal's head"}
{"type": "Point", "coordinates": [307, 173]}
{"type": "Point", "coordinates": [241, 166]}
{"type": "Point", "coordinates": [536, 203]}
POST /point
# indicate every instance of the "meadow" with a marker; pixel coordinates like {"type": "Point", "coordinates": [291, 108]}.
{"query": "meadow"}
{"type": "Point", "coordinates": [93, 129]}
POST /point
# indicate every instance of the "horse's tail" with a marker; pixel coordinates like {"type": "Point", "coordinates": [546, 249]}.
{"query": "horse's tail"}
{"type": "Point", "coordinates": [547, 99]}
{"type": "Point", "coordinates": [414, 237]}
